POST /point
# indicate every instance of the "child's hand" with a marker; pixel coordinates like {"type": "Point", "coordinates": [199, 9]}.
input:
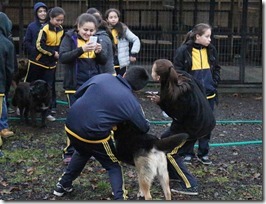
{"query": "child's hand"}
{"type": "Point", "coordinates": [154, 98]}
{"type": "Point", "coordinates": [98, 48]}
{"type": "Point", "coordinates": [89, 47]}
{"type": "Point", "coordinates": [132, 59]}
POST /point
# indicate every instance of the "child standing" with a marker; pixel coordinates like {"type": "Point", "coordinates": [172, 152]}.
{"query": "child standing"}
{"type": "Point", "coordinates": [198, 57]}
{"type": "Point", "coordinates": [122, 35]}
{"type": "Point", "coordinates": [6, 72]}
{"type": "Point", "coordinates": [45, 59]}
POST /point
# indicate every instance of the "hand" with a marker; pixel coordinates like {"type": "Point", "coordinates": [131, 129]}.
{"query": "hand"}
{"type": "Point", "coordinates": [154, 98]}
{"type": "Point", "coordinates": [132, 59]}
{"type": "Point", "coordinates": [56, 55]}
{"type": "Point", "coordinates": [88, 47]}
{"type": "Point", "coordinates": [98, 48]}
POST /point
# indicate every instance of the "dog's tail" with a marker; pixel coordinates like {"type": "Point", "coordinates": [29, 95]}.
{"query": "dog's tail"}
{"type": "Point", "coordinates": [169, 143]}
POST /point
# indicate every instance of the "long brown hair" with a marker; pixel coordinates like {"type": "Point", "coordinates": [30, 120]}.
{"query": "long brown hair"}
{"type": "Point", "coordinates": [173, 84]}
{"type": "Point", "coordinates": [198, 29]}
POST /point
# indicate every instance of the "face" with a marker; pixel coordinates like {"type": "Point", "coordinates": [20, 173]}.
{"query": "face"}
{"type": "Point", "coordinates": [204, 39]}
{"type": "Point", "coordinates": [42, 13]}
{"type": "Point", "coordinates": [112, 18]}
{"type": "Point", "coordinates": [154, 75]}
{"type": "Point", "coordinates": [86, 30]}
{"type": "Point", "coordinates": [58, 20]}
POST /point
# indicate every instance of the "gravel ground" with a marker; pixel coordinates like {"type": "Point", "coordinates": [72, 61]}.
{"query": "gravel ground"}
{"type": "Point", "coordinates": [236, 151]}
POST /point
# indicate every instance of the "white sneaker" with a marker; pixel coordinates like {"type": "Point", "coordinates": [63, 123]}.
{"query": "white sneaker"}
{"type": "Point", "coordinates": [17, 112]}
{"type": "Point", "coordinates": [51, 118]}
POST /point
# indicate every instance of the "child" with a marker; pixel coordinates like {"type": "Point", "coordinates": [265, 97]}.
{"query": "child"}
{"type": "Point", "coordinates": [45, 59]}
{"type": "Point", "coordinates": [80, 60]}
{"type": "Point", "coordinates": [122, 35]}
{"type": "Point", "coordinates": [198, 57]}
{"type": "Point", "coordinates": [6, 72]}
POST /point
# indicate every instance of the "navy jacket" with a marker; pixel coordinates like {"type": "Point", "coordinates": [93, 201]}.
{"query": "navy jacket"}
{"type": "Point", "coordinates": [32, 33]}
{"type": "Point", "coordinates": [6, 54]}
{"type": "Point", "coordinates": [99, 107]}
{"type": "Point", "coordinates": [209, 78]}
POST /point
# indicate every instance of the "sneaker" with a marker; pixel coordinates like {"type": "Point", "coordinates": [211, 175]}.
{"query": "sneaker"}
{"type": "Point", "coordinates": [187, 191]}
{"type": "Point", "coordinates": [205, 160]}
{"type": "Point", "coordinates": [10, 110]}
{"type": "Point", "coordinates": [6, 133]}
{"type": "Point", "coordinates": [187, 160]}
{"type": "Point", "coordinates": [53, 111]}
{"type": "Point", "coordinates": [51, 118]}
{"type": "Point", "coordinates": [18, 112]}
{"type": "Point", "coordinates": [60, 190]}
{"type": "Point", "coordinates": [67, 160]}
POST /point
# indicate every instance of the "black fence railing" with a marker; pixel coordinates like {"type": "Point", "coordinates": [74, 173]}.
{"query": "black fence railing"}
{"type": "Point", "coordinates": [237, 31]}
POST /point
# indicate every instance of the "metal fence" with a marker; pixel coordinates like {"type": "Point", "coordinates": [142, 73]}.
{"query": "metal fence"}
{"type": "Point", "coordinates": [162, 26]}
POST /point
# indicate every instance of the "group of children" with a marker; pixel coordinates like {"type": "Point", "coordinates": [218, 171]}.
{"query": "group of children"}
{"type": "Point", "coordinates": [48, 44]}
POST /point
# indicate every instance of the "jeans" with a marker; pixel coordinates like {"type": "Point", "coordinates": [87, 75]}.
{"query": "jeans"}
{"type": "Point", "coordinates": [4, 115]}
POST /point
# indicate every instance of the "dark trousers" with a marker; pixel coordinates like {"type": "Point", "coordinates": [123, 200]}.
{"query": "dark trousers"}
{"type": "Point", "coordinates": [120, 71]}
{"type": "Point", "coordinates": [103, 152]}
{"type": "Point", "coordinates": [176, 167]}
{"type": "Point", "coordinates": [203, 150]}
{"type": "Point", "coordinates": [69, 149]}
{"type": "Point", "coordinates": [36, 72]}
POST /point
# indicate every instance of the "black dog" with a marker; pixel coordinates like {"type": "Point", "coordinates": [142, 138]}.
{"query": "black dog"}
{"type": "Point", "coordinates": [34, 97]}
{"type": "Point", "coordinates": [21, 72]}
{"type": "Point", "coordinates": [148, 154]}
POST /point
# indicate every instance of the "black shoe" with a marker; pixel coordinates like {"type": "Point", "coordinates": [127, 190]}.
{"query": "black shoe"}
{"type": "Point", "coordinates": [187, 191]}
{"type": "Point", "coordinates": [60, 190]}
{"type": "Point", "coordinates": [205, 160]}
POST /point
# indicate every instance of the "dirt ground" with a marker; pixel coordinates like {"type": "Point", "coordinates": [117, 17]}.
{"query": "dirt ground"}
{"type": "Point", "coordinates": [32, 163]}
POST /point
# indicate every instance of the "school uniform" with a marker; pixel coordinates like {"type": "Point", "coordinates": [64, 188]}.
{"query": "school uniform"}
{"type": "Point", "coordinates": [89, 125]}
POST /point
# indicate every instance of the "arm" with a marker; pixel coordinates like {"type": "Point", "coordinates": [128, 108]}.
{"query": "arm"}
{"type": "Point", "coordinates": [41, 44]}
{"type": "Point", "coordinates": [216, 68]}
{"type": "Point", "coordinates": [139, 120]}
{"type": "Point", "coordinates": [30, 48]}
{"type": "Point", "coordinates": [102, 55]}
{"type": "Point", "coordinates": [179, 61]}
{"type": "Point", "coordinates": [66, 52]}
{"type": "Point", "coordinates": [131, 37]}
{"type": "Point", "coordinates": [9, 62]}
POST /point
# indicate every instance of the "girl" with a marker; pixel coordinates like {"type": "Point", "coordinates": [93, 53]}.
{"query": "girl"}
{"type": "Point", "coordinates": [44, 61]}
{"type": "Point", "coordinates": [80, 60]}
{"type": "Point", "coordinates": [198, 57]}
{"type": "Point", "coordinates": [122, 37]}
{"type": "Point", "coordinates": [182, 99]}
{"type": "Point", "coordinates": [105, 37]}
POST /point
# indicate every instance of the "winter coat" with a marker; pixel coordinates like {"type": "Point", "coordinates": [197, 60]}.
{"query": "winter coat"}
{"type": "Point", "coordinates": [123, 47]}
{"type": "Point", "coordinates": [77, 69]}
{"type": "Point", "coordinates": [191, 112]}
{"type": "Point", "coordinates": [6, 53]}
{"type": "Point", "coordinates": [32, 33]}
{"type": "Point", "coordinates": [208, 77]}
{"type": "Point", "coordinates": [106, 42]}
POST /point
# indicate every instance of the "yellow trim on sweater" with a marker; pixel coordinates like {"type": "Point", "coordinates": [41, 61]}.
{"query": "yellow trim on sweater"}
{"type": "Point", "coordinates": [86, 140]}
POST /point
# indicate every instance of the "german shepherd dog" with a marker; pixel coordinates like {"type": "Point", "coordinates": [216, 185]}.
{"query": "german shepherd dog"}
{"type": "Point", "coordinates": [148, 154]}
{"type": "Point", "coordinates": [34, 97]}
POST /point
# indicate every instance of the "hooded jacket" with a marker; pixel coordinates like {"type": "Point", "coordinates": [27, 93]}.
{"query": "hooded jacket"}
{"type": "Point", "coordinates": [106, 42]}
{"type": "Point", "coordinates": [6, 53]}
{"type": "Point", "coordinates": [32, 32]}
{"type": "Point", "coordinates": [79, 66]}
